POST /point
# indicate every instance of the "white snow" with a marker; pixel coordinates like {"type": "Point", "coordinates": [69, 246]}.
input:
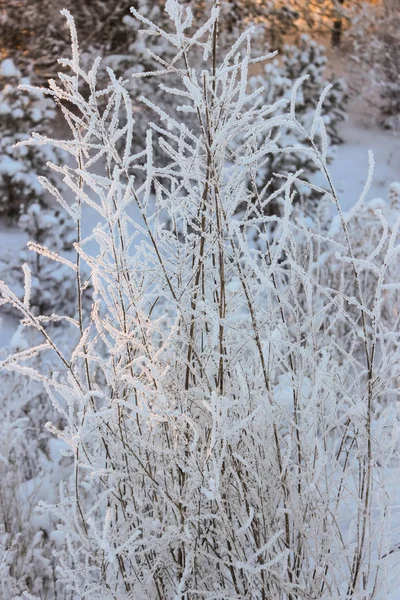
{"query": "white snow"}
{"type": "Point", "coordinates": [10, 238]}
{"type": "Point", "coordinates": [8, 326]}
{"type": "Point", "coordinates": [349, 168]}
{"type": "Point", "coordinates": [8, 68]}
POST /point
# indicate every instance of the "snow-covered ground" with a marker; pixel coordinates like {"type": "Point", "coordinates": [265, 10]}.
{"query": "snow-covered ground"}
{"type": "Point", "coordinates": [349, 169]}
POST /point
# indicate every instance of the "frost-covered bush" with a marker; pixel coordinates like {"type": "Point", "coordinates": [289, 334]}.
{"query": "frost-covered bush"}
{"type": "Point", "coordinates": [306, 60]}
{"type": "Point", "coordinates": [373, 229]}
{"type": "Point", "coordinates": [19, 115]}
{"type": "Point", "coordinates": [222, 446]}
{"type": "Point", "coordinates": [30, 471]}
{"type": "Point", "coordinates": [274, 19]}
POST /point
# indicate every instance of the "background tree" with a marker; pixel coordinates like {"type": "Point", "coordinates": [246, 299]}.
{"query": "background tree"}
{"type": "Point", "coordinates": [21, 113]}
{"type": "Point", "coordinates": [52, 284]}
{"type": "Point", "coordinates": [306, 59]}
{"type": "Point", "coordinates": [376, 47]}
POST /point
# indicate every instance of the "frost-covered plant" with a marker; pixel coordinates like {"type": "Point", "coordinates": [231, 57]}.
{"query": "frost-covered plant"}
{"type": "Point", "coordinates": [134, 59]}
{"type": "Point", "coordinates": [306, 61]}
{"type": "Point", "coordinates": [224, 435]}
{"type": "Point", "coordinates": [21, 166]}
{"type": "Point", "coordinates": [52, 284]}
{"type": "Point", "coordinates": [373, 229]}
{"type": "Point", "coordinates": [30, 471]}
{"type": "Point", "coordinates": [308, 58]}
{"type": "Point", "coordinates": [274, 19]}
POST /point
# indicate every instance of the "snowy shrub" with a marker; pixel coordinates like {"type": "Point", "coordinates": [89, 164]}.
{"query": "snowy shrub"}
{"type": "Point", "coordinates": [224, 434]}
{"type": "Point", "coordinates": [30, 471]}
{"type": "Point", "coordinates": [19, 115]}
{"type": "Point", "coordinates": [274, 20]}
{"type": "Point", "coordinates": [134, 60]}
{"type": "Point", "coordinates": [306, 60]}
{"type": "Point", "coordinates": [373, 230]}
